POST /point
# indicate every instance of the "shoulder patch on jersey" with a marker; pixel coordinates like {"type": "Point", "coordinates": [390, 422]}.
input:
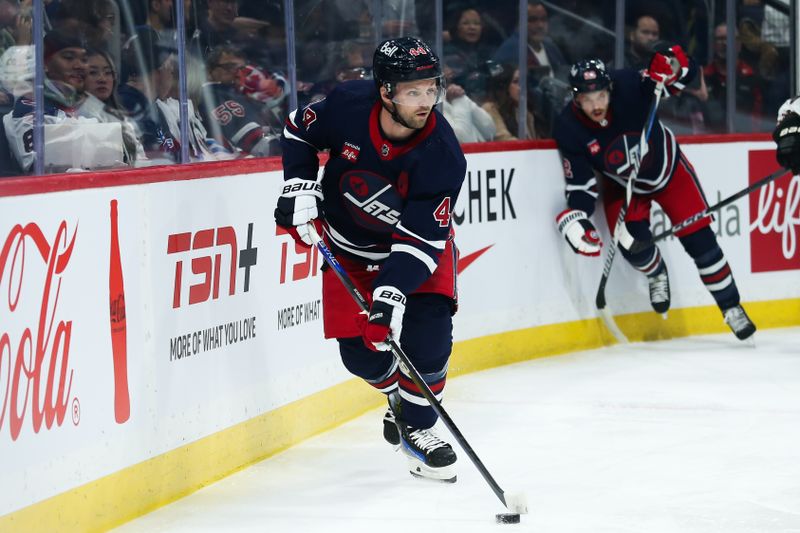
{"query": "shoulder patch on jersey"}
{"type": "Point", "coordinates": [594, 147]}
{"type": "Point", "coordinates": [309, 117]}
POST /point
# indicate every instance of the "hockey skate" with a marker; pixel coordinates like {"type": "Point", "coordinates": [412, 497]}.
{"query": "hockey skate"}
{"type": "Point", "coordinates": [429, 456]}
{"type": "Point", "coordinates": [739, 322]}
{"type": "Point", "coordinates": [391, 433]}
{"type": "Point", "coordinates": [659, 291]}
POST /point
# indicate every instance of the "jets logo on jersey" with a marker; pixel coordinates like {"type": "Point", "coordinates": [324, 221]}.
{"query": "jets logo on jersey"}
{"type": "Point", "coordinates": [350, 152]}
{"type": "Point", "coordinates": [622, 155]}
{"type": "Point", "coordinates": [371, 200]}
{"type": "Point", "coordinates": [309, 117]}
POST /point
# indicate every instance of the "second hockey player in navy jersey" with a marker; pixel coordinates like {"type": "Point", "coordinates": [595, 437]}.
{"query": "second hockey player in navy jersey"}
{"type": "Point", "coordinates": [394, 172]}
{"type": "Point", "coordinates": [598, 136]}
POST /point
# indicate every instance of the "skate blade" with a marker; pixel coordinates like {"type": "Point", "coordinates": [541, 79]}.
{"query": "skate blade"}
{"type": "Point", "coordinates": [443, 474]}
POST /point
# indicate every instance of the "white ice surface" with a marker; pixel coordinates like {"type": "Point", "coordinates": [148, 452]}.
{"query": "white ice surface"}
{"type": "Point", "coordinates": [690, 435]}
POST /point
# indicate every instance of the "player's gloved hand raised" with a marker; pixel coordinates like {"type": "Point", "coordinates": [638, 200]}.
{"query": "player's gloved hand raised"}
{"type": "Point", "coordinates": [787, 136]}
{"type": "Point", "coordinates": [579, 232]}
{"type": "Point", "coordinates": [668, 66]}
{"type": "Point", "coordinates": [385, 317]}
{"type": "Point", "coordinates": [300, 202]}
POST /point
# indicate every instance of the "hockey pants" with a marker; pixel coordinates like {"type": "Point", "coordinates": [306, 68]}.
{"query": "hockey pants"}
{"type": "Point", "coordinates": [680, 199]}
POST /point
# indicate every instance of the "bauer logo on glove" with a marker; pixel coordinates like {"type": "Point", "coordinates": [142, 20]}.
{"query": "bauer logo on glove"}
{"type": "Point", "coordinates": [385, 318]}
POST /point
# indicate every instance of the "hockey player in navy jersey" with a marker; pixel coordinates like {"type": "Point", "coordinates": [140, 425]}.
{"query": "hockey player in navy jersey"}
{"type": "Point", "coordinates": [384, 201]}
{"type": "Point", "coordinates": [598, 135]}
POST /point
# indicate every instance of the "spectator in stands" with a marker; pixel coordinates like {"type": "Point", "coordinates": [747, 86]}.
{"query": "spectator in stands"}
{"type": "Point", "coordinates": [16, 75]}
{"type": "Point", "coordinates": [233, 119]}
{"type": "Point", "coordinates": [218, 27]}
{"type": "Point", "coordinates": [15, 25]}
{"type": "Point", "coordinates": [470, 122]}
{"type": "Point", "coordinates": [544, 57]}
{"type": "Point", "coordinates": [16, 80]}
{"type": "Point", "coordinates": [354, 62]}
{"type": "Point", "coordinates": [669, 14]}
{"type": "Point", "coordinates": [643, 35]}
{"type": "Point", "coordinates": [261, 25]}
{"type": "Point", "coordinates": [316, 70]}
{"type": "Point", "coordinates": [95, 19]}
{"type": "Point", "coordinates": [756, 51]}
{"type": "Point", "coordinates": [72, 142]}
{"type": "Point", "coordinates": [101, 101]}
{"type": "Point", "coordinates": [253, 41]}
{"type": "Point", "coordinates": [160, 17]}
{"type": "Point", "coordinates": [147, 77]}
{"type": "Point", "coordinates": [503, 104]}
{"type": "Point", "coordinates": [749, 91]}
{"type": "Point", "coordinates": [200, 146]}
{"type": "Point", "coordinates": [398, 17]}
{"type": "Point", "coordinates": [466, 52]}
{"type": "Point", "coordinates": [65, 67]}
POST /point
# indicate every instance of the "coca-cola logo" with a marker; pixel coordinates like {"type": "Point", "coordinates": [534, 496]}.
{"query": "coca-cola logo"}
{"type": "Point", "coordinates": [35, 377]}
{"type": "Point", "coordinates": [774, 217]}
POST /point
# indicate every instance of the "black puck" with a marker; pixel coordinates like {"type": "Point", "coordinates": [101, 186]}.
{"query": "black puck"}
{"type": "Point", "coordinates": [507, 518]}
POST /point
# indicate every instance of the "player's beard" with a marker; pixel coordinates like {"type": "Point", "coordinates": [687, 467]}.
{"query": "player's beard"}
{"type": "Point", "coordinates": [413, 118]}
{"type": "Point", "coordinates": [600, 115]}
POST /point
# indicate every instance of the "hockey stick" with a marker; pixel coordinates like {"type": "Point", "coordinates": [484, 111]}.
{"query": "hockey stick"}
{"type": "Point", "coordinates": [639, 246]}
{"type": "Point", "coordinates": [600, 299]}
{"type": "Point", "coordinates": [514, 502]}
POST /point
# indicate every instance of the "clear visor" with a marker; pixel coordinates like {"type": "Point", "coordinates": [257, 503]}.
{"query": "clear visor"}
{"type": "Point", "coordinates": [419, 93]}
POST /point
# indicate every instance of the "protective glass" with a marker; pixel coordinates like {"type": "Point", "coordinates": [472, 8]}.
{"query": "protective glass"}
{"type": "Point", "coordinates": [419, 93]}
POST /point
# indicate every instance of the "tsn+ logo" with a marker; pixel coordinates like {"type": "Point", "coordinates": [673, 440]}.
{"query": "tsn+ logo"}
{"type": "Point", "coordinates": [215, 256]}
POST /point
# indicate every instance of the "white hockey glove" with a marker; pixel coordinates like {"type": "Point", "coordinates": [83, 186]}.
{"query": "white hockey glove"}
{"type": "Point", "coordinates": [579, 232]}
{"type": "Point", "coordinates": [300, 202]}
{"type": "Point", "coordinates": [385, 318]}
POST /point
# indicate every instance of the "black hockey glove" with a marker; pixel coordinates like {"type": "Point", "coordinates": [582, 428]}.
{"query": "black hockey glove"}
{"type": "Point", "coordinates": [787, 136]}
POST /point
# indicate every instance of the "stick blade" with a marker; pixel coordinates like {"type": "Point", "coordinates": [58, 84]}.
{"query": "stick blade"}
{"type": "Point", "coordinates": [516, 502]}
{"type": "Point", "coordinates": [611, 324]}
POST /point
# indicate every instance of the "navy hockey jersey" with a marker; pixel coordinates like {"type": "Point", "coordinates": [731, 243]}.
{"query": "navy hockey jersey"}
{"type": "Point", "coordinates": [385, 203]}
{"type": "Point", "coordinates": [610, 149]}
